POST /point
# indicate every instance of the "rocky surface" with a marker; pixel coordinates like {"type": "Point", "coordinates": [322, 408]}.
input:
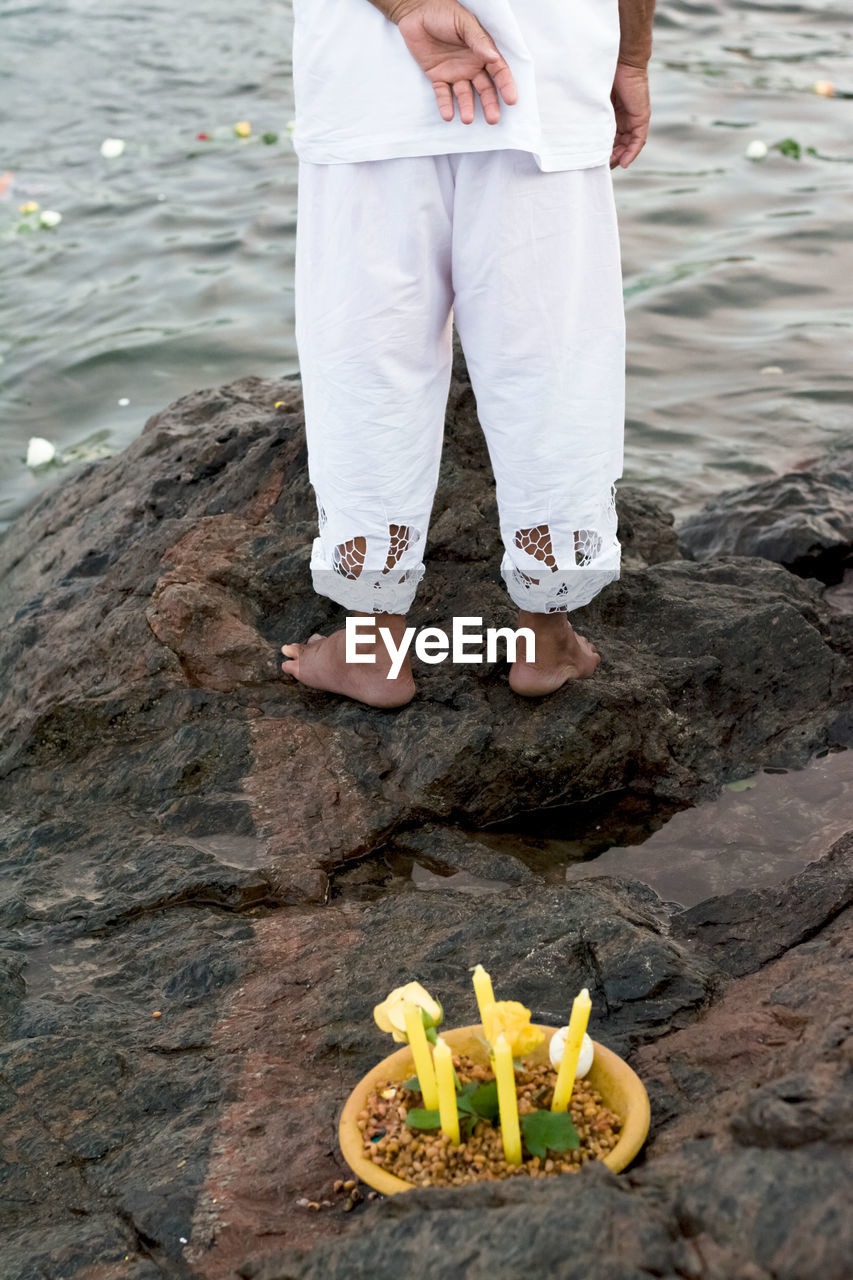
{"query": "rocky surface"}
{"type": "Point", "coordinates": [746, 1173]}
{"type": "Point", "coordinates": [185, 992]}
{"type": "Point", "coordinates": [146, 599]}
{"type": "Point", "coordinates": [802, 519]}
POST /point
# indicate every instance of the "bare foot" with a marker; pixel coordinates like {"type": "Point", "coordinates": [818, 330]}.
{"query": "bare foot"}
{"type": "Point", "coordinates": [561, 655]}
{"type": "Point", "coordinates": [322, 664]}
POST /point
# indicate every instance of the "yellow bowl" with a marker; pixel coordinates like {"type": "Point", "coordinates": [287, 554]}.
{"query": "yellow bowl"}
{"type": "Point", "coordinates": [620, 1087]}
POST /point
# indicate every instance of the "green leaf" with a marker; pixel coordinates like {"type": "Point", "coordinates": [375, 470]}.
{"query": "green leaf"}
{"type": "Point", "coordinates": [484, 1100]}
{"type": "Point", "coordinates": [463, 1101]}
{"type": "Point", "coordinates": [269, 137]}
{"type": "Point", "coordinates": [789, 147]}
{"type": "Point", "coordinates": [431, 1023]}
{"type": "Point", "coordinates": [417, 1118]}
{"type": "Point", "coordinates": [546, 1131]}
{"type": "Point", "coordinates": [413, 1085]}
{"type": "Point", "coordinates": [743, 784]}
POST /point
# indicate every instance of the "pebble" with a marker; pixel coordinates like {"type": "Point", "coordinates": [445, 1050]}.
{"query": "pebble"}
{"type": "Point", "coordinates": [428, 1159]}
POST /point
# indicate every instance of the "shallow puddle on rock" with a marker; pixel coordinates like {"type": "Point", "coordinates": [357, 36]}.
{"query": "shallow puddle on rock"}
{"type": "Point", "coordinates": [756, 833]}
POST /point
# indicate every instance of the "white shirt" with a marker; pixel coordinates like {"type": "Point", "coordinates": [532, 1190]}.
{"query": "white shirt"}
{"type": "Point", "coordinates": [360, 95]}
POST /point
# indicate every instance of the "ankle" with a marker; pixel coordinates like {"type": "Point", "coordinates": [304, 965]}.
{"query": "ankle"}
{"type": "Point", "coordinates": [543, 623]}
{"type": "Point", "coordinates": [383, 650]}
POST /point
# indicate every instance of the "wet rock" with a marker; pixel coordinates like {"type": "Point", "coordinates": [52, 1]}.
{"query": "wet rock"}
{"type": "Point", "coordinates": [451, 850]}
{"type": "Point", "coordinates": [728, 927]}
{"type": "Point", "coordinates": [802, 519]}
{"type": "Point", "coordinates": [175, 707]}
{"type": "Point", "coordinates": [182, 1015]}
{"type": "Point", "coordinates": [750, 1151]}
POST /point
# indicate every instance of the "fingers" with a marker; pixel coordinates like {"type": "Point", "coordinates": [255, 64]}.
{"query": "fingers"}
{"type": "Point", "coordinates": [481, 44]}
{"type": "Point", "coordinates": [499, 71]}
{"type": "Point", "coordinates": [464, 90]}
{"type": "Point", "coordinates": [627, 150]}
{"type": "Point", "coordinates": [444, 98]}
{"type": "Point", "coordinates": [492, 78]}
{"type": "Point", "coordinates": [465, 97]}
{"type": "Point", "coordinates": [484, 85]}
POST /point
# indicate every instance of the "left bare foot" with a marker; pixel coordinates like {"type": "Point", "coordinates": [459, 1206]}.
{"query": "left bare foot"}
{"type": "Point", "coordinates": [321, 664]}
{"type": "Point", "coordinates": [561, 655]}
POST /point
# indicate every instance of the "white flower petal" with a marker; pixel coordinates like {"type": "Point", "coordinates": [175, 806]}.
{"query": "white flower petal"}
{"type": "Point", "coordinates": [39, 450]}
{"type": "Point", "coordinates": [112, 147]}
{"type": "Point", "coordinates": [756, 150]}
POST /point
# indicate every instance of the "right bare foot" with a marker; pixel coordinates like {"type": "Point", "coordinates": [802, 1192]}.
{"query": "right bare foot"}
{"type": "Point", "coordinates": [561, 655]}
{"type": "Point", "coordinates": [322, 664]}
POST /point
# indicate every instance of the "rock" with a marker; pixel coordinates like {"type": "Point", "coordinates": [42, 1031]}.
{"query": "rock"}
{"type": "Point", "coordinates": [442, 850]}
{"type": "Point", "coordinates": [745, 1171]}
{"type": "Point", "coordinates": [802, 519]}
{"type": "Point", "coordinates": [646, 529]}
{"type": "Point", "coordinates": [186, 1000]}
{"type": "Point", "coordinates": [184, 564]}
{"type": "Point", "coordinates": [723, 1223]}
{"type": "Point", "coordinates": [726, 926]}
{"type": "Point", "coordinates": [528, 1228]}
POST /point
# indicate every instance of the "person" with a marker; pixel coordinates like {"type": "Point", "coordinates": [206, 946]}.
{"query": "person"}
{"type": "Point", "coordinates": [455, 166]}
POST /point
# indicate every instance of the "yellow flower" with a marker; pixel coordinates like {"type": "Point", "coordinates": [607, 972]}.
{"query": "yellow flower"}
{"type": "Point", "coordinates": [390, 1014]}
{"type": "Point", "coordinates": [243, 129]}
{"type": "Point", "coordinates": [513, 1020]}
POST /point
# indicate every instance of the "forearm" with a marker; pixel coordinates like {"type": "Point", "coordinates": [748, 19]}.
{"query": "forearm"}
{"type": "Point", "coordinates": [635, 23]}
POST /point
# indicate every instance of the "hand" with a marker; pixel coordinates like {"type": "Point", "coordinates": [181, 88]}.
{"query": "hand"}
{"type": "Point", "coordinates": [456, 52]}
{"type": "Point", "coordinates": [630, 98]}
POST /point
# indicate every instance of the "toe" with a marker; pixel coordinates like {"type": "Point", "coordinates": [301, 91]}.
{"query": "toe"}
{"type": "Point", "coordinates": [291, 650]}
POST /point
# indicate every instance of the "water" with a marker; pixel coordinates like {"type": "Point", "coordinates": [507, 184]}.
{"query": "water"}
{"type": "Point", "coordinates": [756, 833]}
{"type": "Point", "coordinates": [173, 266]}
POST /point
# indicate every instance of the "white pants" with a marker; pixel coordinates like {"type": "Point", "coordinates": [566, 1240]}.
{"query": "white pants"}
{"type": "Point", "coordinates": [388, 254]}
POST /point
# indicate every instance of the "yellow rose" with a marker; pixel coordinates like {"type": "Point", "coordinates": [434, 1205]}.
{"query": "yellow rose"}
{"type": "Point", "coordinates": [513, 1020]}
{"type": "Point", "coordinates": [390, 1014]}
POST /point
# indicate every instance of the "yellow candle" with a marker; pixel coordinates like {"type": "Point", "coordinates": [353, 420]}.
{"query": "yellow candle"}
{"type": "Point", "coordinates": [448, 1110]}
{"type": "Point", "coordinates": [421, 1054]}
{"type": "Point", "coordinates": [507, 1100]}
{"type": "Point", "coordinates": [483, 989]}
{"type": "Point", "coordinates": [569, 1063]}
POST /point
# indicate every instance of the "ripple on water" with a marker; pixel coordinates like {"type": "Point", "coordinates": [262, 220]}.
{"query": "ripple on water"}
{"type": "Point", "coordinates": [719, 263]}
